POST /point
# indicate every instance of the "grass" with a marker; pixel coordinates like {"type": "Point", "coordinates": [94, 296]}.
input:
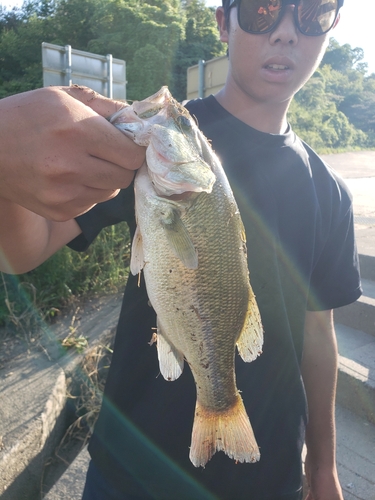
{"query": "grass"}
{"type": "Point", "coordinates": [89, 384]}
{"type": "Point", "coordinates": [85, 392]}
{"type": "Point", "coordinates": [41, 294]}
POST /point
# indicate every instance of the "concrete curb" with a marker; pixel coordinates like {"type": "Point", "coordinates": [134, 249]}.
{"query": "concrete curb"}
{"type": "Point", "coordinates": [367, 265]}
{"type": "Point", "coordinates": [29, 444]}
{"type": "Point", "coordinates": [360, 314]}
{"type": "Point", "coordinates": [356, 374]}
{"type": "Point", "coordinates": [34, 411]}
{"type": "Point", "coordinates": [71, 484]}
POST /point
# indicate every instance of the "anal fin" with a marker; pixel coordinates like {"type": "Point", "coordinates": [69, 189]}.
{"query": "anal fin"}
{"type": "Point", "coordinates": [250, 342]}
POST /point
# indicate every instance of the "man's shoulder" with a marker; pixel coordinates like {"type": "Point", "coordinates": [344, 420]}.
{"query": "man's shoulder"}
{"type": "Point", "coordinates": [321, 171]}
{"type": "Point", "coordinates": [203, 109]}
{"type": "Point", "coordinates": [323, 174]}
{"type": "Point", "coordinates": [197, 103]}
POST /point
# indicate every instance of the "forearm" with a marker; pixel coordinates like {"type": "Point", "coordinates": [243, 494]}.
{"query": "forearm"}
{"type": "Point", "coordinates": [27, 239]}
{"type": "Point", "coordinates": [319, 372]}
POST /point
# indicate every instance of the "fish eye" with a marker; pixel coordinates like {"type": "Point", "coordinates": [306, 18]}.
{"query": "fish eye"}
{"type": "Point", "coordinates": [183, 122]}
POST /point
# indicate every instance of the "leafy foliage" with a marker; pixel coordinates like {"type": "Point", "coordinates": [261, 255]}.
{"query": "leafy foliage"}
{"type": "Point", "coordinates": [200, 41]}
{"type": "Point", "coordinates": [103, 267]}
{"type": "Point", "coordinates": [21, 35]}
{"type": "Point", "coordinates": [335, 110]}
{"type": "Point", "coordinates": [146, 35]}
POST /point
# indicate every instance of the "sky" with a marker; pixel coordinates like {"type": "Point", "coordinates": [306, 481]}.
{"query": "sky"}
{"type": "Point", "coordinates": [356, 26]}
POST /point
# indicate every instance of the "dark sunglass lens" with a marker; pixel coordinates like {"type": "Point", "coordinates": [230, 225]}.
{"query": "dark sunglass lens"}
{"type": "Point", "coordinates": [258, 16]}
{"type": "Point", "coordinates": [316, 17]}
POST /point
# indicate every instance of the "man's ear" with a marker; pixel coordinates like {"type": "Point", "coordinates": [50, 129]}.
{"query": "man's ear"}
{"type": "Point", "coordinates": [337, 21]}
{"type": "Point", "coordinates": [222, 25]}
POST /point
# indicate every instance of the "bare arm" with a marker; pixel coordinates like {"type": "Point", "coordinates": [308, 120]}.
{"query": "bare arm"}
{"type": "Point", "coordinates": [319, 371]}
{"type": "Point", "coordinates": [28, 239]}
{"type": "Point", "coordinates": [58, 157]}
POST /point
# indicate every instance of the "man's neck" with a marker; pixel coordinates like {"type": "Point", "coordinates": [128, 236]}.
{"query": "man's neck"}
{"type": "Point", "coordinates": [265, 117]}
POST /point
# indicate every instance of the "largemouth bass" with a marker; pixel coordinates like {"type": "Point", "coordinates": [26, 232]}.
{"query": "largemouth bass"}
{"type": "Point", "coordinates": [190, 244]}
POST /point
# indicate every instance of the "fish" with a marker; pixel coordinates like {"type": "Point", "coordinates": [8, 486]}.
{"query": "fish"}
{"type": "Point", "coordinates": [190, 244]}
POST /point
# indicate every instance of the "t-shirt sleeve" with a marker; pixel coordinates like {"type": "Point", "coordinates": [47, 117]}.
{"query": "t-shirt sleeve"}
{"type": "Point", "coordinates": [335, 281]}
{"type": "Point", "coordinates": [108, 213]}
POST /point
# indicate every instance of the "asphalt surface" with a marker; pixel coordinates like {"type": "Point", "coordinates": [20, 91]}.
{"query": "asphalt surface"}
{"type": "Point", "coordinates": [358, 171]}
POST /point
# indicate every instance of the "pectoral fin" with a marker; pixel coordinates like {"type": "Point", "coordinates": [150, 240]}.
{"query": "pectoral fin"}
{"type": "Point", "coordinates": [137, 259]}
{"type": "Point", "coordinates": [179, 239]}
{"type": "Point", "coordinates": [250, 343]}
{"type": "Point", "coordinates": [171, 361]}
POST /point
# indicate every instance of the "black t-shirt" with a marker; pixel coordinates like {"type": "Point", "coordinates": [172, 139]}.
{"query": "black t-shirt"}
{"type": "Point", "coordinates": [299, 225]}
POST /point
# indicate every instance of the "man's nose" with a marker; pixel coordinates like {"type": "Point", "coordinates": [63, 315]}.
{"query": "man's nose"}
{"type": "Point", "coordinates": [286, 30]}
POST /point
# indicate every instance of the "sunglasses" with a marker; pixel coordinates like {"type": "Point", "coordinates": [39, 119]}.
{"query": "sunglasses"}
{"type": "Point", "coordinates": [312, 17]}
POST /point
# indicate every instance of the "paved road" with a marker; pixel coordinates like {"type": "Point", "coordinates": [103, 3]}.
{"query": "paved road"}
{"type": "Point", "coordinates": [358, 170]}
{"type": "Point", "coordinates": [355, 165]}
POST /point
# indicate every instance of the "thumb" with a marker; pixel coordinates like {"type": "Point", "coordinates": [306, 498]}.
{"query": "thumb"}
{"type": "Point", "coordinates": [98, 103]}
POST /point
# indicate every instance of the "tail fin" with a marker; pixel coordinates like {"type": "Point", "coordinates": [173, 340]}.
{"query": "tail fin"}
{"type": "Point", "coordinates": [229, 431]}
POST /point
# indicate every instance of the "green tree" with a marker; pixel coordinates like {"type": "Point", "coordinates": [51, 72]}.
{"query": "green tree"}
{"type": "Point", "coordinates": [74, 23]}
{"type": "Point", "coordinates": [344, 58]}
{"type": "Point", "coordinates": [335, 109]}
{"type": "Point", "coordinates": [351, 90]}
{"type": "Point", "coordinates": [200, 41]}
{"type": "Point", "coordinates": [145, 34]}
{"type": "Point", "coordinates": [20, 52]}
{"type": "Point", "coordinates": [316, 117]}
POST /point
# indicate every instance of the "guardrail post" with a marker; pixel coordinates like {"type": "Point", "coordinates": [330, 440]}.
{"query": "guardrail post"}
{"type": "Point", "coordinates": [201, 65]}
{"type": "Point", "coordinates": [68, 65]}
{"type": "Point", "coordinates": [109, 76]}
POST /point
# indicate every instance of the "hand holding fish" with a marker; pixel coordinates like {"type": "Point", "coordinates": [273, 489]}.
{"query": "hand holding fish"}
{"type": "Point", "coordinates": [58, 154]}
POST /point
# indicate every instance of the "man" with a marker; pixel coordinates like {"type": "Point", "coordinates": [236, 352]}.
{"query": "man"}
{"type": "Point", "coordinates": [302, 261]}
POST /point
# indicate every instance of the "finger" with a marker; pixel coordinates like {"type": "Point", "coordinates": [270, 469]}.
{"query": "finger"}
{"type": "Point", "coordinates": [63, 211]}
{"type": "Point", "coordinates": [103, 175]}
{"type": "Point", "coordinates": [108, 143]}
{"type": "Point", "coordinates": [100, 104]}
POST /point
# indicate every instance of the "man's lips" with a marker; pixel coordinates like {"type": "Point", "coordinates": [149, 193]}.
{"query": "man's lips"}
{"type": "Point", "coordinates": [278, 69]}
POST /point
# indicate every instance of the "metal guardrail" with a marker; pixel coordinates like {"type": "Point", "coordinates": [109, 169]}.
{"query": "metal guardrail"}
{"type": "Point", "coordinates": [63, 65]}
{"type": "Point", "coordinates": [206, 77]}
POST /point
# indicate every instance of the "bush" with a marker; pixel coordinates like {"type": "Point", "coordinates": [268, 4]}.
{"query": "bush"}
{"type": "Point", "coordinates": [68, 274]}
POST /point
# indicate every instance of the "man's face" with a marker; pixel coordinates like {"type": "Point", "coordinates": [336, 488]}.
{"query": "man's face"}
{"type": "Point", "coordinates": [270, 67]}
